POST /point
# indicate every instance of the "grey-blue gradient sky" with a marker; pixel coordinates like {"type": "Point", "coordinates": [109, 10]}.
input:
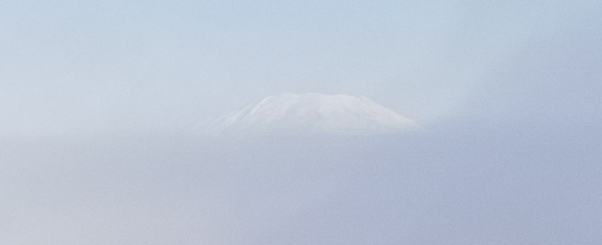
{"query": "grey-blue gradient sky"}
{"type": "Point", "coordinates": [509, 93]}
{"type": "Point", "coordinates": [92, 66]}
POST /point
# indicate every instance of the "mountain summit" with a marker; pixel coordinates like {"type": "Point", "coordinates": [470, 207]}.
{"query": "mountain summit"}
{"type": "Point", "coordinates": [313, 113]}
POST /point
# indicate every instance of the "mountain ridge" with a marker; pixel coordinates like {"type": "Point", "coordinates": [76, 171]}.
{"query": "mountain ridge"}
{"type": "Point", "coordinates": [311, 114]}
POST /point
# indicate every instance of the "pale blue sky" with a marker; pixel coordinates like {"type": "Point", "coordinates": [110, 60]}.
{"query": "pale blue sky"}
{"type": "Point", "coordinates": [80, 66]}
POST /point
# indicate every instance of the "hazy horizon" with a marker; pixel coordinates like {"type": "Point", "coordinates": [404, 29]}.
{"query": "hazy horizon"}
{"type": "Point", "coordinates": [99, 100]}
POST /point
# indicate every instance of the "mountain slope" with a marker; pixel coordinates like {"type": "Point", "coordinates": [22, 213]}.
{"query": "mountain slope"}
{"type": "Point", "coordinates": [311, 113]}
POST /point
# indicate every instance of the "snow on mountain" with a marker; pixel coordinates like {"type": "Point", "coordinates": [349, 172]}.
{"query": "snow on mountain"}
{"type": "Point", "coordinates": [311, 113]}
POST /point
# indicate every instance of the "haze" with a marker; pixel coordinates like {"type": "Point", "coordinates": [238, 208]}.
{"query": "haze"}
{"type": "Point", "coordinates": [99, 101]}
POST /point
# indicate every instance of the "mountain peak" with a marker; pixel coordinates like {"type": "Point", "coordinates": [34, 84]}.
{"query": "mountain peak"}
{"type": "Point", "coordinates": [311, 113]}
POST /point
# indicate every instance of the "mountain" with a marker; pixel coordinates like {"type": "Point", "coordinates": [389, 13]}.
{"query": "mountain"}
{"type": "Point", "coordinates": [312, 113]}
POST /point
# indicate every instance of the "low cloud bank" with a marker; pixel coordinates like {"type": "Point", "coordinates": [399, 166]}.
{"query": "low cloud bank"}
{"type": "Point", "coordinates": [476, 185]}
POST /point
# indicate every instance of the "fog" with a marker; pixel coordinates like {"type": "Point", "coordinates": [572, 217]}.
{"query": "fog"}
{"type": "Point", "coordinates": [446, 185]}
{"type": "Point", "coordinates": [97, 99]}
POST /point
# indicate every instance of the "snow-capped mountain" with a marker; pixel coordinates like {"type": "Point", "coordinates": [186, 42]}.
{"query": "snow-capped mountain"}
{"type": "Point", "coordinates": [312, 113]}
